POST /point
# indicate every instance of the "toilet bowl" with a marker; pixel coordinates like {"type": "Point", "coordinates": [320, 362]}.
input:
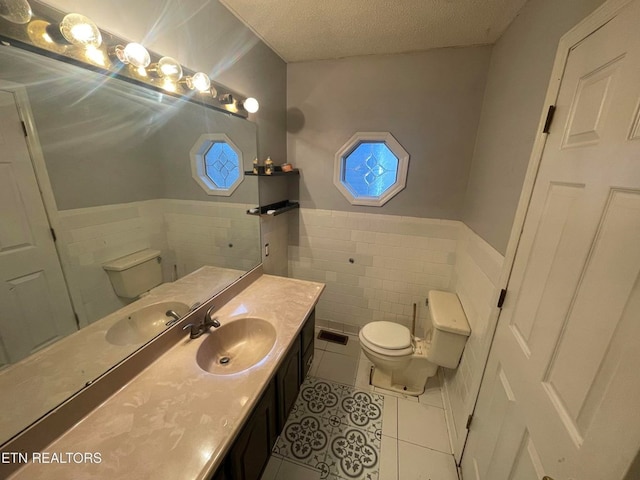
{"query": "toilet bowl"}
{"type": "Point", "coordinates": [402, 362]}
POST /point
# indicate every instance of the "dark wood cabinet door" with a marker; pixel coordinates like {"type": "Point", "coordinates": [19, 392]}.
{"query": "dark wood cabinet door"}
{"type": "Point", "coordinates": [308, 332]}
{"type": "Point", "coordinates": [219, 475]}
{"type": "Point", "coordinates": [251, 451]}
{"type": "Point", "coordinates": [288, 384]}
{"type": "Point", "coordinates": [307, 339]}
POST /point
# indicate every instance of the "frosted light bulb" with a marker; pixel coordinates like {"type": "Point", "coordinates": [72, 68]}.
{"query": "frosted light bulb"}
{"type": "Point", "coordinates": [16, 11]}
{"type": "Point", "coordinates": [136, 55]}
{"type": "Point", "coordinates": [170, 69]}
{"type": "Point", "coordinates": [79, 30]}
{"type": "Point", "coordinates": [251, 105]}
{"type": "Point", "coordinates": [200, 81]}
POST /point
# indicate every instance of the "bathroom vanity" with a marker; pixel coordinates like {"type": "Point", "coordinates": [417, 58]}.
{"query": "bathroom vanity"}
{"type": "Point", "coordinates": [185, 415]}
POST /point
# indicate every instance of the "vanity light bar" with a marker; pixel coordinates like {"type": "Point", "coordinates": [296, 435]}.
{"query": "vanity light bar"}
{"type": "Point", "coordinates": [74, 38]}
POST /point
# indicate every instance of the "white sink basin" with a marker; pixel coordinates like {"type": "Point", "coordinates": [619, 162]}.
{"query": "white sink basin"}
{"type": "Point", "coordinates": [144, 324]}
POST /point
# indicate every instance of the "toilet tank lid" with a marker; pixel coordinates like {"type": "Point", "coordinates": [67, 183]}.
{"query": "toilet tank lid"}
{"type": "Point", "coordinates": [131, 260]}
{"type": "Point", "coordinates": [447, 313]}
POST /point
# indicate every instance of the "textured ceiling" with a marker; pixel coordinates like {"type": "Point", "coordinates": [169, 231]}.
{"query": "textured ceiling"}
{"type": "Point", "coordinates": [303, 30]}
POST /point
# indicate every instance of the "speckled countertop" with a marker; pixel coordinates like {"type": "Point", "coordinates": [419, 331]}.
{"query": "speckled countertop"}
{"type": "Point", "coordinates": [175, 420]}
{"type": "Point", "coordinates": [40, 382]}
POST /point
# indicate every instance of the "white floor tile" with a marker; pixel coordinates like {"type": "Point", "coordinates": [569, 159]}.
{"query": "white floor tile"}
{"type": "Point", "coordinates": [423, 425]}
{"type": "Point", "coordinates": [352, 348]}
{"type": "Point", "coordinates": [419, 463]}
{"type": "Point", "coordinates": [384, 391]}
{"type": "Point", "coordinates": [432, 393]}
{"type": "Point", "coordinates": [293, 471]}
{"type": "Point", "coordinates": [390, 417]}
{"type": "Point", "coordinates": [317, 358]}
{"type": "Point", "coordinates": [271, 470]}
{"type": "Point", "coordinates": [338, 368]}
{"type": "Point", "coordinates": [388, 458]}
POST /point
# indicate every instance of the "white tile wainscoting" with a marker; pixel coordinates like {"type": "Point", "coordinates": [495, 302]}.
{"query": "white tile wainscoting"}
{"type": "Point", "coordinates": [476, 276]}
{"type": "Point", "coordinates": [396, 261]}
{"type": "Point", "coordinates": [188, 233]}
{"type": "Point", "coordinates": [375, 266]}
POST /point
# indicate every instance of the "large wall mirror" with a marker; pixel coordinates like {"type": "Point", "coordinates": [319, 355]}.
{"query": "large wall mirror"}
{"type": "Point", "coordinates": [108, 166]}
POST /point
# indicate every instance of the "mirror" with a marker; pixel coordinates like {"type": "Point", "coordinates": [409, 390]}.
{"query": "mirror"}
{"type": "Point", "coordinates": [106, 164]}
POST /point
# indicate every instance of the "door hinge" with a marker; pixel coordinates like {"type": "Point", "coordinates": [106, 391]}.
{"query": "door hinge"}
{"type": "Point", "coordinates": [503, 294]}
{"type": "Point", "coordinates": [53, 235]}
{"type": "Point", "coordinates": [77, 320]}
{"type": "Point", "coordinates": [547, 122]}
{"type": "Point", "coordinates": [469, 420]}
{"type": "Point", "coordinates": [24, 128]}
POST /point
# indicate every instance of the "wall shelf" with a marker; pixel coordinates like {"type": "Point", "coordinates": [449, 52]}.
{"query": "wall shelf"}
{"type": "Point", "coordinates": [276, 173]}
{"type": "Point", "coordinates": [278, 209]}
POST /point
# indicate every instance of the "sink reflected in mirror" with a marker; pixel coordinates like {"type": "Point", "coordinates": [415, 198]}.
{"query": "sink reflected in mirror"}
{"type": "Point", "coordinates": [113, 163]}
{"type": "Point", "coordinates": [139, 326]}
{"type": "Point", "coordinates": [236, 346]}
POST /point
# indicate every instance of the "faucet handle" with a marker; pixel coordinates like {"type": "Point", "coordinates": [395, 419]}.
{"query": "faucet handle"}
{"type": "Point", "coordinates": [209, 320]}
{"type": "Point", "coordinates": [195, 332]}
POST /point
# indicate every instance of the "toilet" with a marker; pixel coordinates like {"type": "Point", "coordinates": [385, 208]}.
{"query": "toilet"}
{"type": "Point", "coordinates": [135, 274]}
{"type": "Point", "coordinates": [403, 363]}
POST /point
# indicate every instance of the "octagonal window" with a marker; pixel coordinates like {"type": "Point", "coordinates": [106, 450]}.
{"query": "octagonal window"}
{"type": "Point", "coordinates": [216, 164]}
{"type": "Point", "coordinates": [371, 168]}
{"type": "Point", "coordinates": [222, 164]}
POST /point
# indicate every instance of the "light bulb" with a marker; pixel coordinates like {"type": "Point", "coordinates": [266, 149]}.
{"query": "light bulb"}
{"type": "Point", "coordinates": [38, 32]}
{"type": "Point", "coordinates": [16, 11]}
{"type": "Point", "coordinates": [136, 55]}
{"type": "Point", "coordinates": [95, 55]}
{"type": "Point", "coordinates": [170, 69]}
{"type": "Point", "coordinates": [169, 85]}
{"type": "Point", "coordinates": [79, 30]}
{"type": "Point", "coordinates": [251, 105]}
{"type": "Point", "coordinates": [199, 81]}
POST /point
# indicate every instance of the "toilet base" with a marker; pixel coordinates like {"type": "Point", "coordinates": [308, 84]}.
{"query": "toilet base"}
{"type": "Point", "coordinates": [398, 383]}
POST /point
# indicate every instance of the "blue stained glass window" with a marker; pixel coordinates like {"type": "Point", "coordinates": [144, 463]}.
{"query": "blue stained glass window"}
{"type": "Point", "coordinates": [370, 169]}
{"type": "Point", "coordinates": [222, 165]}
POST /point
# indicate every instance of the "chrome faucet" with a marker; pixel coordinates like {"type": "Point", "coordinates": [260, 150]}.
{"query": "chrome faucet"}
{"type": "Point", "coordinates": [207, 322]}
{"type": "Point", "coordinates": [174, 318]}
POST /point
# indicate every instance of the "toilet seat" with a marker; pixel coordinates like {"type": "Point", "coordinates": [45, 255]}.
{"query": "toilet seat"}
{"type": "Point", "coordinates": [387, 338]}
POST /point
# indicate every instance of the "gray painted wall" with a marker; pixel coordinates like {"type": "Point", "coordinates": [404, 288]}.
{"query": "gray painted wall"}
{"type": "Point", "coordinates": [519, 74]}
{"type": "Point", "coordinates": [203, 35]}
{"type": "Point", "coordinates": [107, 142]}
{"type": "Point", "coordinates": [430, 101]}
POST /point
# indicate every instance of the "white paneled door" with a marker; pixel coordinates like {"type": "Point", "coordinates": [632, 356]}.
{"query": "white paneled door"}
{"type": "Point", "coordinates": [561, 394]}
{"type": "Point", "coordinates": [34, 303]}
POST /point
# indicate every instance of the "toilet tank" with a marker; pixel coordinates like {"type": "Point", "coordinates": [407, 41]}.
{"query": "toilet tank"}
{"type": "Point", "coordinates": [450, 329]}
{"type": "Point", "coordinates": [136, 273]}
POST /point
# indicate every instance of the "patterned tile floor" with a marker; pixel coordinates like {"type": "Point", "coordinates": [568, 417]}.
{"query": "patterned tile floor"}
{"type": "Point", "coordinates": [414, 444]}
{"type": "Point", "coordinates": [334, 429]}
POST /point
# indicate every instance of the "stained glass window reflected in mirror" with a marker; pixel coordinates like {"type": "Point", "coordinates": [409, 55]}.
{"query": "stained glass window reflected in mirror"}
{"type": "Point", "coordinates": [222, 165]}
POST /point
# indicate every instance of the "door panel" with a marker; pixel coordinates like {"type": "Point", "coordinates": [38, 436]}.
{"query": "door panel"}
{"type": "Point", "coordinates": [36, 308]}
{"type": "Point", "coordinates": [560, 394]}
